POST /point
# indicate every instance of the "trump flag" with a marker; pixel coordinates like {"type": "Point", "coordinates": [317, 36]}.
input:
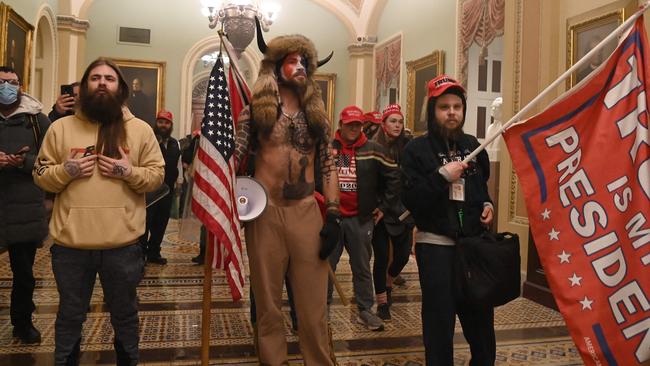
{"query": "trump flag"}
{"type": "Point", "coordinates": [584, 166]}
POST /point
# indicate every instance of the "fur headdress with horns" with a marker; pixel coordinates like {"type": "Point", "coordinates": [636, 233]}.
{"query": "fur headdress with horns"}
{"type": "Point", "coordinates": [266, 96]}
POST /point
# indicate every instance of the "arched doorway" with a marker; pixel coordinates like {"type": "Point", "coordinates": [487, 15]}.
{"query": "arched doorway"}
{"type": "Point", "coordinates": [43, 86]}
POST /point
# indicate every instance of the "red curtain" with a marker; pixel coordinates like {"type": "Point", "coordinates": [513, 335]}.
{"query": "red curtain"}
{"type": "Point", "coordinates": [387, 65]}
{"type": "Point", "coordinates": [482, 21]}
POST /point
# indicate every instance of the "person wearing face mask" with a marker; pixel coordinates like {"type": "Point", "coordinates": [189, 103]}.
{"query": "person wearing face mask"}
{"type": "Point", "coordinates": [390, 229]}
{"type": "Point", "coordinates": [23, 223]}
{"type": "Point", "coordinates": [158, 213]}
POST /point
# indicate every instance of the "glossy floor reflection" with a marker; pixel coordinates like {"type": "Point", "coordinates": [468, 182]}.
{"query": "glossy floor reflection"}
{"type": "Point", "coordinates": [170, 322]}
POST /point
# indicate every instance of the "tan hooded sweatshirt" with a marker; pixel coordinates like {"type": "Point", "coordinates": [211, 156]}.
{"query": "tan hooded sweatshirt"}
{"type": "Point", "coordinates": [98, 212]}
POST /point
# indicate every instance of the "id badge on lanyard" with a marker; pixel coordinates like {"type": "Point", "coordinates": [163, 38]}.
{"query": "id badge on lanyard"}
{"type": "Point", "coordinates": [457, 190]}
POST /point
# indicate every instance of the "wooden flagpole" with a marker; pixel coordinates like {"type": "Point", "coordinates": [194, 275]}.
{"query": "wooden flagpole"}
{"type": "Point", "coordinates": [207, 300]}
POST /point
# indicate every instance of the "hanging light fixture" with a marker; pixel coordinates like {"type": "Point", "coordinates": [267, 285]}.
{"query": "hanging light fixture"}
{"type": "Point", "coordinates": [237, 18]}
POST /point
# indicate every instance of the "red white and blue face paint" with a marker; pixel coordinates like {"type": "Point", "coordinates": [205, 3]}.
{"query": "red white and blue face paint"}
{"type": "Point", "coordinates": [294, 68]}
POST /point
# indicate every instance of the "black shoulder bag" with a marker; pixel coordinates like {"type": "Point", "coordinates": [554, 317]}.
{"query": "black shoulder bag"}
{"type": "Point", "coordinates": [488, 267]}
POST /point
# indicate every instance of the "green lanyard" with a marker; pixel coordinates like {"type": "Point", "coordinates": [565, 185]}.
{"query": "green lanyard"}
{"type": "Point", "coordinates": [460, 217]}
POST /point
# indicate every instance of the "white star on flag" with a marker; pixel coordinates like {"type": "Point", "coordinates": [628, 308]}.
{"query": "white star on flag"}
{"type": "Point", "coordinates": [546, 214]}
{"type": "Point", "coordinates": [211, 78]}
{"type": "Point", "coordinates": [211, 105]}
{"type": "Point", "coordinates": [553, 235]}
{"type": "Point", "coordinates": [564, 257]}
{"type": "Point", "coordinates": [210, 132]}
{"type": "Point", "coordinates": [575, 280]}
{"type": "Point", "coordinates": [586, 303]}
{"type": "Point", "coordinates": [211, 123]}
{"type": "Point", "coordinates": [211, 114]}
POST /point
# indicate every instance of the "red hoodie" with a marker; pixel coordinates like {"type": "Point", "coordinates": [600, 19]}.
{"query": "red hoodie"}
{"type": "Point", "coordinates": [346, 168]}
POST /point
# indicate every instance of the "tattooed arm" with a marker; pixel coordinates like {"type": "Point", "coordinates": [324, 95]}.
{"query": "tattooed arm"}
{"type": "Point", "coordinates": [328, 172]}
{"type": "Point", "coordinates": [55, 166]}
{"type": "Point", "coordinates": [242, 141]}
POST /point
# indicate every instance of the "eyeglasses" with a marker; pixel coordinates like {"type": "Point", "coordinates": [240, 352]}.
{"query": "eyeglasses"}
{"type": "Point", "coordinates": [10, 81]}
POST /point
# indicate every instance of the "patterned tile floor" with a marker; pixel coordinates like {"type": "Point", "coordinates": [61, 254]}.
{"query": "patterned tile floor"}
{"type": "Point", "coordinates": [170, 313]}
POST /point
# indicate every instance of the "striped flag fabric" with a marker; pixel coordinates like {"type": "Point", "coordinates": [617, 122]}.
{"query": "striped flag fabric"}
{"type": "Point", "coordinates": [213, 199]}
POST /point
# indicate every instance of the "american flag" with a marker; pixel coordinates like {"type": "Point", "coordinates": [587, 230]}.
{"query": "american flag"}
{"type": "Point", "coordinates": [213, 199]}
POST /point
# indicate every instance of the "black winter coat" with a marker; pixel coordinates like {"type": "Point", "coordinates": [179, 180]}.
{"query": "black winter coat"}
{"type": "Point", "coordinates": [377, 178]}
{"type": "Point", "coordinates": [426, 192]}
{"type": "Point", "coordinates": [22, 214]}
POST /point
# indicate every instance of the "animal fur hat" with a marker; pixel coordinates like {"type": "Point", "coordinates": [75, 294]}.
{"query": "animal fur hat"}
{"type": "Point", "coordinates": [266, 96]}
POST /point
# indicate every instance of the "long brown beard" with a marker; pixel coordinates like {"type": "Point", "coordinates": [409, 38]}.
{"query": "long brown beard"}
{"type": "Point", "coordinates": [106, 109]}
{"type": "Point", "coordinates": [449, 134]}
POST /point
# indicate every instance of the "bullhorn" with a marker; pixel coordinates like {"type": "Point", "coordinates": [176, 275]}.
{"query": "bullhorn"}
{"type": "Point", "coordinates": [251, 198]}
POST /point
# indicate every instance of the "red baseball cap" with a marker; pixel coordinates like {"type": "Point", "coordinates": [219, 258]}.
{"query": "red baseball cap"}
{"type": "Point", "coordinates": [165, 114]}
{"type": "Point", "coordinates": [351, 114]}
{"type": "Point", "coordinates": [391, 109]}
{"type": "Point", "coordinates": [374, 117]}
{"type": "Point", "coordinates": [438, 85]}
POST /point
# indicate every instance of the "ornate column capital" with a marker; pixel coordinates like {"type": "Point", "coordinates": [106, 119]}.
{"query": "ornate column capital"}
{"type": "Point", "coordinates": [361, 49]}
{"type": "Point", "coordinates": [72, 23]}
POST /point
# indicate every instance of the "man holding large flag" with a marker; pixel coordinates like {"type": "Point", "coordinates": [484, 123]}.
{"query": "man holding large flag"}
{"type": "Point", "coordinates": [286, 125]}
{"type": "Point", "coordinates": [584, 165]}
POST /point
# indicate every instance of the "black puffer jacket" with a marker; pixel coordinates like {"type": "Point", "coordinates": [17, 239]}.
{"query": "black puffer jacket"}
{"type": "Point", "coordinates": [22, 214]}
{"type": "Point", "coordinates": [426, 192]}
{"type": "Point", "coordinates": [395, 148]}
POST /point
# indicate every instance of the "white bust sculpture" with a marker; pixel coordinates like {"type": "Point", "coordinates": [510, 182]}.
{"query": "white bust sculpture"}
{"type": "Point", "coordinates": [497, 114]}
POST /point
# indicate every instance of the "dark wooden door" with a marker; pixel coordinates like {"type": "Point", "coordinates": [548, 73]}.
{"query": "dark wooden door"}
{"type": "Point", "coordinates": [536, 286]}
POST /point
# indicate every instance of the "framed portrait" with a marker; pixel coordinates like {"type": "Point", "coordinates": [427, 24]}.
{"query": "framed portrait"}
{"type": "Point", "coordinates": [146, 81]}
{"type": "Point", "coordinates": [586, 31]}
{"type": "Point", "coordinates": [387, 66]}
{"type": "Point", "coordinates": [327, 84]}
{"type": "Point", "coordinates": [419, 73]}
{"type": "Point", "coordinates": [16, 43]}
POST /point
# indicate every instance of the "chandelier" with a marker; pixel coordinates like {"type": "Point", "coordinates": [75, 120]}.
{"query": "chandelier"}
{"type": "Point", "coordinates": [237, 18]}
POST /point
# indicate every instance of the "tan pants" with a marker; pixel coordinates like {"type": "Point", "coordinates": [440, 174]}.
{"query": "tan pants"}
{"type": "Point", "coordinates": [285, 240]}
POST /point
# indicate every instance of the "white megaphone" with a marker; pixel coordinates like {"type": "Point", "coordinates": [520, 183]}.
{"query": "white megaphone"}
{"type": "Point", "coordinates": [251, 198]}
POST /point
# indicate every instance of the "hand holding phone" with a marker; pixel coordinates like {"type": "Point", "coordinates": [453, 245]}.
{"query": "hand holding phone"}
{"type": "Point", "coordinates": [65, 101]}
{"type": "Point", "coordinates": [67, 89]}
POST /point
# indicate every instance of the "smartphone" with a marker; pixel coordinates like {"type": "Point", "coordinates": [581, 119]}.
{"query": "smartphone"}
{"type": "Point", "coordinates": [67, 89]}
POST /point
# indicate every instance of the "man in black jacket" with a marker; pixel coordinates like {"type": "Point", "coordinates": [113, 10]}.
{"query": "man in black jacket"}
{"type": "Point", "coordinates": [368, 185]}
{"type": "Point", "coordinates": [447, 198]}
{"type": "Point", "coordinates": [23, 223]}
{"type": "Point", "coordinates": [158, 213]}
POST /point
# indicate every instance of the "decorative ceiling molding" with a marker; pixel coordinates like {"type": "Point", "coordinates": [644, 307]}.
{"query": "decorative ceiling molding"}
{"type": "Point", "coordinates": [357, 5]}
{"type": "Point", "coordinates": [72, 23]}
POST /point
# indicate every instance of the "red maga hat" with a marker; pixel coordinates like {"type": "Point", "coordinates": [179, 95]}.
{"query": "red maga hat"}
{"type": "Point", "coordinates": [438, 85]}
{"type": "Point", "coordinates": [351, 114]}
{"type": "Point", "coordinates": [165, 114]}
{"type": "Point", "coordinates": [374, 117]}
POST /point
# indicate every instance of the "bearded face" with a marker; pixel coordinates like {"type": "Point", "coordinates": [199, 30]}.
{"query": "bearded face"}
{"type": "Point", "coordinates": [450, 116]}
{"type": "Point", "coordinates": [293, 71]}
{"type": "Point", "coordinates": [163, 128]}
{"type": "Point", "coordinates": [101, 105]}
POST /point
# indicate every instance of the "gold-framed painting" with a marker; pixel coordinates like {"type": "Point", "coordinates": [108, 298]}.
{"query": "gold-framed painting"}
{"type": "Point", "coordinates": [146, 81]}
{"type": "Point", "coordinates": [419, 72]}
{"type": "Point", "coordinates": [327, 84]}
{"type": "Point", "coordinates": [585, 31]}
{"type": "Point", "coordinates": [16, 43]}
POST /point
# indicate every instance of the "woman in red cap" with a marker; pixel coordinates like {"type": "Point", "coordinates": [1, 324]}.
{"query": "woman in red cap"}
{"type": "Point", "coordinates": [393, 137]}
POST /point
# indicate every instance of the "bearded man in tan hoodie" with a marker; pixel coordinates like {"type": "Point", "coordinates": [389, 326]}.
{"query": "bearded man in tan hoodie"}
{"type": "Point", "coordinates": [100, 162]}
